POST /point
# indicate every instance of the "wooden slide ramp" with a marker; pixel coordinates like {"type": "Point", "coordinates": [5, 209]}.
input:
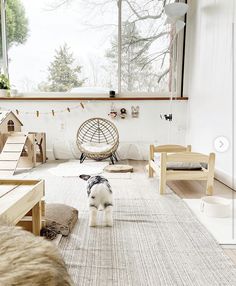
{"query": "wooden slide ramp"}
{"type": "Point", "coordinates": [11, 153]}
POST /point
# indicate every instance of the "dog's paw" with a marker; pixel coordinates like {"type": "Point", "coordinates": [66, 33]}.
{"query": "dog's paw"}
{"type": "Point", "coordinates": [109, 223]}
{"type": "Point", "coordinates": [92, 224]}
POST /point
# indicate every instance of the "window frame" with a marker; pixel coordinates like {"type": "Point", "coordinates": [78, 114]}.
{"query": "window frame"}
{"type": "Point", "coordinates": [4, 38]}
{"type": "Point", "coordinates": [180, 48]}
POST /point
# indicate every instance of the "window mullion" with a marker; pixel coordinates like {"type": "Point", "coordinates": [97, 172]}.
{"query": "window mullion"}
{"type": "Point", "coordinates": [119, 3]}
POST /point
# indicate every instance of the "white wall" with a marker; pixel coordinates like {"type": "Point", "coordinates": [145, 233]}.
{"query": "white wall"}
{"type": "Point", "coordinates": [207, 82]}
{"type": "Point", "coordinates": [61, 130]}
{"type": "Point", "coordinates": [208, 78]}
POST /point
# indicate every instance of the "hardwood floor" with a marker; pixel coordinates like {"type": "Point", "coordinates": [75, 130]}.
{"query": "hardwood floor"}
{"type": "Point", "coordinates": [193, 190]}
{"type": "Point", "coordinates": [196, 189]}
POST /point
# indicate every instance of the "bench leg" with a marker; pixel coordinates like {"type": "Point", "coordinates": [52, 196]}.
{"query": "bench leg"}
{"type": "Point", "coordinates": [151, 158]}
{"type": "Point", "coordinates": [36, 218]}
{"type": "Point", "coordinates": [150, 171]}
{"type": "Point", "coordinates": [162, 185]}
{"type": "Point", "coordinates": [210, 179]}
{"type": "Point", "coordinates": [209, 191]}
{"type": "Point", "coordinates": [209, 187]}
{"type": "Point", "coordinates": [162, 179]}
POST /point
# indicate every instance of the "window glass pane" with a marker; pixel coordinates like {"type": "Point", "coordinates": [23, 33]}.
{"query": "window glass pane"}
{"type": "Point", "coordinates": [58, 46]}
{"type": "Point", "coordinates": [145, 47]}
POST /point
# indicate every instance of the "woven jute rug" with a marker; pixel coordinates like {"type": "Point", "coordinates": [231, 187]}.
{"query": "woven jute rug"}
{"type": "Point", "coordinates": [155, 240]}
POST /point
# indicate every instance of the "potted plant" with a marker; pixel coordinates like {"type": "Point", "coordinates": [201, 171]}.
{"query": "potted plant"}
{"type": "Point", "coordinates": [4, 85]}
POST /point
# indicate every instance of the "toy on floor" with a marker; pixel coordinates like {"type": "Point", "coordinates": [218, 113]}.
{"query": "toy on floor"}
{"type": "Point", "coordinates": [19, 149]}
{"type": "Point", "coordinates": [100, 195]}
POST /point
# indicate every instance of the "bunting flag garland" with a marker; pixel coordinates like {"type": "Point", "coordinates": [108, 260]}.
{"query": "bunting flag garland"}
{"type": "Point", "coordinates": [53, 112]}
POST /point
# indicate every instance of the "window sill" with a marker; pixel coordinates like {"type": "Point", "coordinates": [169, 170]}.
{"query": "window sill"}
{"type": "Point", "coordinates": [76, 98]}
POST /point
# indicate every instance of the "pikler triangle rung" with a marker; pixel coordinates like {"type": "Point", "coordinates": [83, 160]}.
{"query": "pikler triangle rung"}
{"type": "Point", "coordinates": [11, 153]}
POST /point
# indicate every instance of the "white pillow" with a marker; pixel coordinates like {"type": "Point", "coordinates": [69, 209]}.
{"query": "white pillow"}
{"type": "Point", "coordinates": [96, 147]}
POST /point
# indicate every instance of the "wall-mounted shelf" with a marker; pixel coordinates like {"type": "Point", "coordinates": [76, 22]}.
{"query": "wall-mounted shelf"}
{"type": "Point", "coordinates": [88, 98]}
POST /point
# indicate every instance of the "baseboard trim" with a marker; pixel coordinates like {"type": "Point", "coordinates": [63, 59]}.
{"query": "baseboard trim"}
{"type": "Point", "coordinates": [225, 178]}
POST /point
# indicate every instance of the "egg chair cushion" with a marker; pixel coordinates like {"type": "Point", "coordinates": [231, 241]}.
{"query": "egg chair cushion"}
{"type": "Point", "coordinates": [92, 147]}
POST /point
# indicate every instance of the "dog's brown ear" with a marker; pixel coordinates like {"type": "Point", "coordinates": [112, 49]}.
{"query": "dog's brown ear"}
{"type": "Point", "coordinates": [85, 177]}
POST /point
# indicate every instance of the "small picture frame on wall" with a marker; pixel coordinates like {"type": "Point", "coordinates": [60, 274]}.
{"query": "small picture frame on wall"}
{"type": "Point", "coordinates": [135, 111]}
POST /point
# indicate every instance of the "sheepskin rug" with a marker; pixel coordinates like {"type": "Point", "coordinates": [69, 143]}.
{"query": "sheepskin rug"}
{"type": "Point", "coordinates": [29, 260]}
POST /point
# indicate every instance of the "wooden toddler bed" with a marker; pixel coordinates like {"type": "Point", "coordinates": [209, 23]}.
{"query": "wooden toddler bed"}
{"type": "Point", "coordinates": [177, 162]}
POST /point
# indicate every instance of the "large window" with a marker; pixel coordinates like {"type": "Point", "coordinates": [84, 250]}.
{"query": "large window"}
{"type": "Point", "coordinates": [89, 46]}
{"type": "Point", "coordinates": [145, 47]}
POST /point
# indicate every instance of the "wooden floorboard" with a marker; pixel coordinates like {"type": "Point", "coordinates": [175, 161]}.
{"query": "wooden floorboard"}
{"type": "Point", "coordinates": [231, 253]}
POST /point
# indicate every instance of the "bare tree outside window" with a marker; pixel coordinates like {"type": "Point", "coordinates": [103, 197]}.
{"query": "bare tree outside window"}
{"type": "Point", "coordinates": [75, 42]}
{"type": "Point", "coordinates": [147, 49]}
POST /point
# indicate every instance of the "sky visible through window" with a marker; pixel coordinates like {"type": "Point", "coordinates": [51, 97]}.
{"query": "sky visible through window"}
{"type": "Point", "coordinates": [79, 41]}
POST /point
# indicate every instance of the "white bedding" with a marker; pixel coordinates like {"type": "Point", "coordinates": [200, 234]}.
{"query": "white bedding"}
{"type": "Point", "coordinates": [178, 165]}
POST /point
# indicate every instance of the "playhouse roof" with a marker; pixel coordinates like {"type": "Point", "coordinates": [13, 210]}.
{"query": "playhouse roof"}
{"type": "Point", "coordinates": [4, 114]}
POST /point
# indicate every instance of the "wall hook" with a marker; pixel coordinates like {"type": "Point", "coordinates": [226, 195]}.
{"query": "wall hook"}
{"type": "Point", "coordinates": [168, 117]}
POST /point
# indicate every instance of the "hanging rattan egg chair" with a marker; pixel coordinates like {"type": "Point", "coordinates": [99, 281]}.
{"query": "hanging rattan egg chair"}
{"type": "Point", "coordinates": [98, 139]}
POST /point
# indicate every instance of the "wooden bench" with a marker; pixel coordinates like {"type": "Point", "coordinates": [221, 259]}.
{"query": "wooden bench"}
{"type": "Point", "coordinates": [18, 198]}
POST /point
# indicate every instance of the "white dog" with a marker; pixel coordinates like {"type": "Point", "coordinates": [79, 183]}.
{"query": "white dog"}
{"type": "Point", "coordinates": [100, 195]}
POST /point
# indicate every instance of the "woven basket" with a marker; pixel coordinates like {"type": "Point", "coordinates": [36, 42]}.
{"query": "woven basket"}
{"type": "Point", "coordinates": [98, 130]}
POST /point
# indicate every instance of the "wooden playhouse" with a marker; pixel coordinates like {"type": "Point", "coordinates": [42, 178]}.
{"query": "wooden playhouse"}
{"type": "Point", "coordinates": [19, 149]}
